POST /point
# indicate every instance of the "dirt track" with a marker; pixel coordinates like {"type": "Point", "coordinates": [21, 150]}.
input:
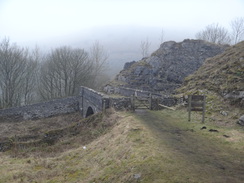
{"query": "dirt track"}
{"type": "Point", "coordinates": [206, 157]}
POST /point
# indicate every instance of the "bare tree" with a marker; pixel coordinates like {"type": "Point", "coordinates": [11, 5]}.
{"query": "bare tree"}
{"type": "Point", "coordinates": [46, 87]}
{"type": "Point", "coordinates": [145, 48]}
{"type": "Point", "coordinates": [237, 26]}
{"type": "Point", "coordinates": [215, 34]}
{"type": "Point", "coordinates": [64, 70]}
{"type": "Point", "coordinates": [98, 57]}
{"type": "Point", "coordinates": [31, 77]}
{"type": "Point", "coordinates": [13, 66]}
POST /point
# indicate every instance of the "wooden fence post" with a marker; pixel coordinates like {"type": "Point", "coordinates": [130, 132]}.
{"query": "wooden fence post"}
{"type": "Point", "coordinates": [132, 102]}
{"type": "Point", "coordinates": [189, 108]}
{"type": "Point", "coordinates": [204, 108]}
{"type": "Point", "coordinates": [150, 101]}
{"type": "Point", "coordinates": [104, 105]}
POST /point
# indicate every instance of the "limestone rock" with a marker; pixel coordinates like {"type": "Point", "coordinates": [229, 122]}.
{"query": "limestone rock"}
{"type": "Point", "coordinates": [241, 120]}
{"type": "Point", "coordinates": [224, 113]}
{"type": "Point", "coordinates": [128, 64]}
{"type": "Point", "coordinates": [167, 67]}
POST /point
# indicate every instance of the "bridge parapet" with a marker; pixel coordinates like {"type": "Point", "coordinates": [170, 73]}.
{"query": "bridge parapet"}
{"type": "Point", "coordinates": [92, 101]}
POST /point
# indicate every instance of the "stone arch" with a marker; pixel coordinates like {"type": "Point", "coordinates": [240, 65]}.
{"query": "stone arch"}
{"type": "Point", "coordinates": [89, 111]}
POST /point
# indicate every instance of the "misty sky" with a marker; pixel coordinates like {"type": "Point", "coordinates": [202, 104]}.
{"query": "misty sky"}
{"type": "Point", "coordinates": [119, 25]}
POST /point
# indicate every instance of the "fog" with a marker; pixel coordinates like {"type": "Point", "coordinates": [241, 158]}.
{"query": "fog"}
{"type": "Point", "coordinates": [119, 25]}
{"type": "Point", "coordinates": [121, 42]}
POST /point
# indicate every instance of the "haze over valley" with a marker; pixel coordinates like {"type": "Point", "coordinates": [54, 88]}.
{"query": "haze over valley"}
{"type": "Point", "coordinates": [120, 26]}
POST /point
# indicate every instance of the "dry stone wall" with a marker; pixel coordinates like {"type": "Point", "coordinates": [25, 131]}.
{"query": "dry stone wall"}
{"type": "Point", "coordinates": [40, 110]}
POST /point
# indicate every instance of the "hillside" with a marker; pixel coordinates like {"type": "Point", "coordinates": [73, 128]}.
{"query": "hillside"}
{"type": "Point", "coordinates": [222, 75]}
{"type": "Point", "coordinates": [167, 67]}
{"type": "Point", "coordinates": [146, 146]}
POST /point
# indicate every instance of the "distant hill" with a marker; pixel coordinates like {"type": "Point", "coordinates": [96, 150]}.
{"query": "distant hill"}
{"type": "Point", "coordinates": [222, 74]}
{"type": "Point", "coordinates": [166, 68]}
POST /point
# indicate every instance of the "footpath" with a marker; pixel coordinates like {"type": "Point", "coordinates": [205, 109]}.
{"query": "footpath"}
{"type": "Point", "coordinates": [206, 156]}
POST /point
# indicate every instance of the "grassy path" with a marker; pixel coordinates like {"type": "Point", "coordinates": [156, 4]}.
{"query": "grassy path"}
{"type": "Point", "coordinates": [207, 159]}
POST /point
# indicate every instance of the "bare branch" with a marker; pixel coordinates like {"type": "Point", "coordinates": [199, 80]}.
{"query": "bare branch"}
{"type": "Point", "coordinates": [237, 26]}
{"type": "Point", "coordinates": [63, 72]}
{"type": "Point", "coordinates": [145, 48]}
{"type": "Point", "coordinates": [98, 57]}
{"type": "Point", "coordinates": [215, 34]}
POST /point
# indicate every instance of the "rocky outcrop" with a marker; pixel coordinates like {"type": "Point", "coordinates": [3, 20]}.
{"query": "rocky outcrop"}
{"type": "Point", "coordinates": [128, 64]}
{"type": "Point", "coordinates": [167, 67]}
{"type": "Point", "coordinates": [222, 74]}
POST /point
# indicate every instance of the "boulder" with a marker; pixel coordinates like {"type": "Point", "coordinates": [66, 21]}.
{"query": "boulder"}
{"type": "Point", "coordinates": [241, 120]}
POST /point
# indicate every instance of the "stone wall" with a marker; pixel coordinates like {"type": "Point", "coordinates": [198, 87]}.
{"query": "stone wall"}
{"type": "Point", "coordinates": [40, 110]}
{"type": "Point", "coordinates": [235, 97]}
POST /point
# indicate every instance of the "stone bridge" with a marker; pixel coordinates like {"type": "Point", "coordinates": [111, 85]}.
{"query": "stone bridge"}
{"type": "Point", "coordinates": [91, 101]}
{"type": "Point", "coordinates": [88, 102]}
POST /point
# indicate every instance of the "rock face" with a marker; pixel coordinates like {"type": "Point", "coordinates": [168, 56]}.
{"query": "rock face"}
{"type": "Point", "coordinates": [167, 67]}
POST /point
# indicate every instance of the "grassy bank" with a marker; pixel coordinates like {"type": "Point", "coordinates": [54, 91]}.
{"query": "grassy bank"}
{"type": "Point", "coordinates": [145, 146]}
